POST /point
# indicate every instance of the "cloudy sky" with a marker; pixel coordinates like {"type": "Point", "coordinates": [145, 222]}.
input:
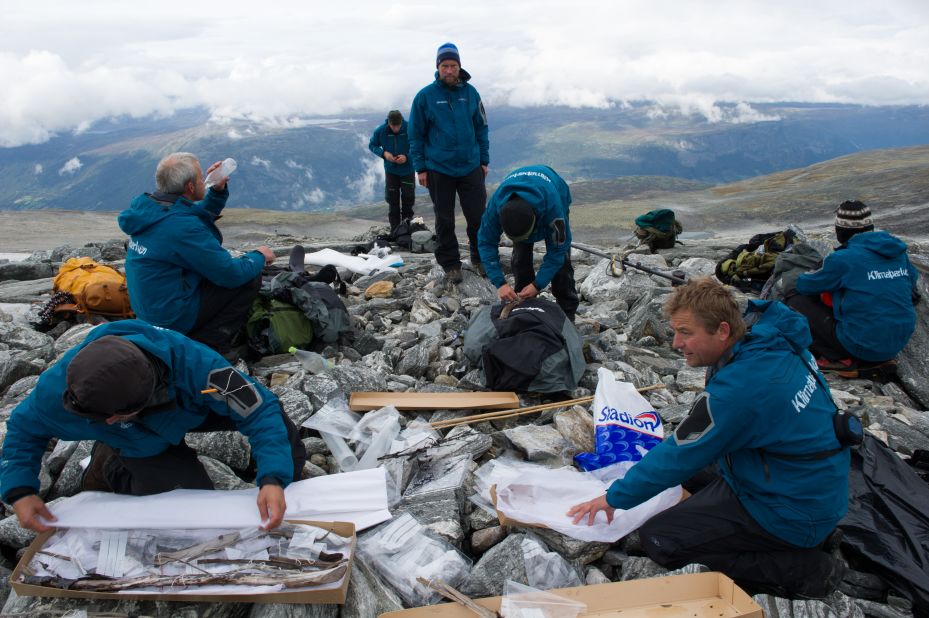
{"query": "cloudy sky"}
{"type": "Point", "coordinates": [67, 64]}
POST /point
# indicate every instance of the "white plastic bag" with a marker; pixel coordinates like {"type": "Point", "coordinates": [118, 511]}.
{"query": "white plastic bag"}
{"type": "Point", "coordinates": [521, 601]}
{"type": "Point", "coordinates": [627, 426]}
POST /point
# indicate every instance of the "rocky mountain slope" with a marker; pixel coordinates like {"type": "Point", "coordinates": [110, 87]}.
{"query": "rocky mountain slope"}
{"type": "Point", "coordinates": [409, 338]}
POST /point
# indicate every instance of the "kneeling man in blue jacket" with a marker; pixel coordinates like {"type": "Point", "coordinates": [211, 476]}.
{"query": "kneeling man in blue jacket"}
{"type": "Point", "coordinates": [779, 485]}
{"type": "Point", "coordinates": [138, 390]}
{"type": "Point", "coordinates": [860, 303]}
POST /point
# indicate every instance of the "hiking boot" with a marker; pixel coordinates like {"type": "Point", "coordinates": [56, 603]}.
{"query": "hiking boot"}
{"type": "Point", "coordinates": [453, 275]}
{"type": "Point", "coordinates": [844, 364]}
{"type": "Point", "coordinates": [94, 478]}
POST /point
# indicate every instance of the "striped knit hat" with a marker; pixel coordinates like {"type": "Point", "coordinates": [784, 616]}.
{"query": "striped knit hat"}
{"type": "Point", "coordinates": [447, 51]}
{"type": "Point", "coordinates": [852, 218]}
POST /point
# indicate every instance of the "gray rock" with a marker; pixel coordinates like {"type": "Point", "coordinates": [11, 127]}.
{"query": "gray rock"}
{"type": "Point", "coordinates": [480, 519]}
{"type": "Point", "coordinates": [691, 379]}
{"type": "Point", "coordinates": [903, 435]}
{"type": "Point", "coordinates": [422, 313]}
{"type": "Point", "coordinates": [26, 271]}
{"type": "Point", "coordinates": [501, 562]}
{"type": "Point", "coordinates": [22, 337]}
{"type": "Point", "coordinates": [19, 390]}
{"type": "Point", "coordinates": [356, 378]}
{"type": "Point", "coordinates": [25, 291]}
{"type": "Point", "coordinates": [461, 440]}
{"type": "Point", "coordinates": [912, 367]}
{"type": "Point", "coordinates": [5, 587]}
{"type": "Point", "coordinates": [836, 604]}
{"type": "Point", "coordinates": [572, 550]}
{"type": "Point", "coordinates": [539, 443]}
{"type": "Point", "coordinates": [594, 576]}
{"type": "Point", "coordinates": [320, 389]}
{"type": "Point", "coordinates": [600, 286]}
{"type": "Point", "coordinates": [646, 318]}
{"type": "Point", "coordinates": [365, 343]}
{"type": "Point", "coordinates": [15, 366]}
{"type": "Point", "coordinates": [639, 567]}
{"type": "Point", "coordinates": [229, 447]}
{"type": "Point", "coordinates": [368, 595]}
{"type": "Point", "coordinates": [68, 482]}
{"type": "Point", "coordinates": [73, 336]}
{"type": "Point", "coordinates": [222, 475]}
{"type": "Point", "coordinates": [315, 446]}
{"type": "Point", "coordinates": [297, 405]}
{"type": "Point", "coordinates": [280, 610]}
{"type": "Point", "coordinates": [484, 539]}
{"type": "Point", "coordinates": [576, 426]}
{"type": "Point", "coordinates": [40, 607]}
{"type": "Point", "coordinates": [415, 360]}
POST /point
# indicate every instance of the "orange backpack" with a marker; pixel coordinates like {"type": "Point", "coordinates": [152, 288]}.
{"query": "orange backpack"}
{"type": "Point", "coordinates": [97, 289]}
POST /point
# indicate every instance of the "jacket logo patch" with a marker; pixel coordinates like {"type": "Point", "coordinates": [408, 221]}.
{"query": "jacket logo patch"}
{"type": "Point", "coordinates": [874, 275]}
{"type": "Point", "coordinates": [802, 397]}
{"type": "Point", "coordinates": [698, 423]}
{"type": "Point", "coordinates": [138, 248]}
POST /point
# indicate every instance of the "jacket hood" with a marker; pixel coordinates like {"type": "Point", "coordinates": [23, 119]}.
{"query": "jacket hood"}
{"type": "Point", "coordinates": [879, 242]}
{"type": "Point", "coordinates": [145, 211]}
{"type": "Point", "coordinates": [463, 75]}
{"type": "Point", "coordinates": [770, 321]}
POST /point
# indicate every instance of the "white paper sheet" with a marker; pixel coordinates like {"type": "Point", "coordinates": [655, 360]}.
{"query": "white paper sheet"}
{"type": "Point", "coordinates": [357, 497]}
{"type": "Point", "coordinates": [544, 497]}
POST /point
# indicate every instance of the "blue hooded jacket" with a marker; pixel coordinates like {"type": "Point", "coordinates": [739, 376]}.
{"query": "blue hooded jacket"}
{"type": "Point", "coordinates": [871, 280]}
{"type": "Point", "coordinates": [173, 247]}
{"type": "Point", "coordinates": [35, 421]}
{"type": "Point", "coordinates": [765, 398]}
{"type": "Point", "coordinates": [550, 198]}
{"type": "Point", "coordinates": [398, 143]}
{"type": "Point", "coordinates": [448, 128]}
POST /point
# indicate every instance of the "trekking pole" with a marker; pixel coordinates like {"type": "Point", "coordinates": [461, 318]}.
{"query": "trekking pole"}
{"type": "Point", "coordinates": [676, 277]}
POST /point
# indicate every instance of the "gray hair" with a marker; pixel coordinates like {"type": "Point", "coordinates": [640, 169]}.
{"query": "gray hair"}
{"type": "Point", "coordinates": [175, 171]}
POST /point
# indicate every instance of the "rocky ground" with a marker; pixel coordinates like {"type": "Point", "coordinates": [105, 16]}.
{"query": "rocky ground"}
{"type": "Point", "coordinates": [409, 338]}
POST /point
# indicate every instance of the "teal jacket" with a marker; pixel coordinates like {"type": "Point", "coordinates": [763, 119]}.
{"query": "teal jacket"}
{"type": "Point", "coordinates": [383, 139]}
{"type": "Point", "coordinates": [41, 416]}
{"type": "Point", "coordinates": [448, 128]}
{"type": "Point", "coordinates": [871, 280]}
{"type": "Point", "coordinates": [765, 398]}
{"type": "Point", "coordinates": [550, 198]}
{"type": "Point", "coordinates": [174, 245]}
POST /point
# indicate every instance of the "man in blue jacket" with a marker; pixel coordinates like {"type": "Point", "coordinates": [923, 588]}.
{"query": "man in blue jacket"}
{"type": "Point", "coordinates": [766, 419]}
{"type": "Point", "coordinates": [451, 152]}
{"type": "Point", "coordinates": [531, 205]}
{"type": "Point", "coordinates": [390, 142]}
{"type": "Point", "coordinates": [178, 273]}
{"type": "Point", "coordinates": [860, 303]}
{"type": "Point", "coordinates": [138, 390]}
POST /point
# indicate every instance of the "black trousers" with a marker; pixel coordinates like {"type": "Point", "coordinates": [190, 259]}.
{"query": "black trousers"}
{"type": "Point", "coordinates": [822, 326]}
{"type": "Point", "coordinates": [222, 313]}
{"type": "Point", "coordinates": [563, 286]}
{"type": "Point", "coordinates": [399, 190]}
{"type": "Point", "coordinates": [472, 194]}
{"type": "Point", "coordinates": [178, 467]}
{"type": "Point", "coordinates": [713, 528]}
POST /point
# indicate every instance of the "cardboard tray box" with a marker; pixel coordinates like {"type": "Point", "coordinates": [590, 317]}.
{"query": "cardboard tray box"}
{"type": "Point", "coordinates": [328, 595]}
{"type": "Point", "coordinates": [701, 595]}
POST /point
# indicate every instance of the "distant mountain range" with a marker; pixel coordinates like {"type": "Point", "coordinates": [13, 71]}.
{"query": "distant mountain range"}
{"type": "Point", "coordinates": [323, 165]}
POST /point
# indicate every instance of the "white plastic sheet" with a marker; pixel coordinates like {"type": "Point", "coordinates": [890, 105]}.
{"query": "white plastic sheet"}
{"type": "Point", "coordinates": [544, 497]}
{"type": "Point", "coordinates": [358, 497]}
{"type": "Point", "coordinates": [363, 264]}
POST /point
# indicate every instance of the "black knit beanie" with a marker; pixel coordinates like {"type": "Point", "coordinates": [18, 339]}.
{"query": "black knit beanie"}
{"type": "Point", "coordinates": [108, 376]}
{"type": "Point", "coordinates": [517, 218]}
{"type": "Point", "coordinates": [852, 218]}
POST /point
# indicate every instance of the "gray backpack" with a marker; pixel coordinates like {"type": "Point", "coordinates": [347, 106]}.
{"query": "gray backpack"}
{"type": "Point", "coordinates": [422, 241]}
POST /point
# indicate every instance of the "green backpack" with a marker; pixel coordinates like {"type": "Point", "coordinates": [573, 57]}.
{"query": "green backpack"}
{"type": "Point", "coordinates": [658, 229]}
{"type": "Point", "coordinates": [274, 326]}
{"type": "Point", "coordinates": [749, 266]}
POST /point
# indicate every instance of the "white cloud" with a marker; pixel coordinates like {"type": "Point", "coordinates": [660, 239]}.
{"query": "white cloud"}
{"type": "Point", "coordinates": [67, 65]}
{"type": "Point", "coordinates": [256, 160]}
{"type": "Point", "coordinates": [71, 166]}
{"type": "Point", "coordinates": [38, 169]}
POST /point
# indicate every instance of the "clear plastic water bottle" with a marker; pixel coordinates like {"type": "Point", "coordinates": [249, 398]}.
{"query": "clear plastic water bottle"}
{"type": "Point", "coordinates": [311, 361]}
{"type": "Point", "coordinates": [223, 171]}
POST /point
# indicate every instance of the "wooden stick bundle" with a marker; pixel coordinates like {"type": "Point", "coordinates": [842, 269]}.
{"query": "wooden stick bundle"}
{"type": "Point", "coordinates": [502, 414]}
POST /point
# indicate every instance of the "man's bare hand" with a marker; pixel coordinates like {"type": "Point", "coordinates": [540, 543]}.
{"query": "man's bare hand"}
{"type": "Point", "coordinates": [529, 291]}
{"type": "Point", "coordinates": [28, 510]}
{"type": "Point", "coordinates": [221, 183]}
{"type": "Point", "coordinates": [400, 159]}
{"type": "Point", "coordinates": [485, 169]}
{"type": "Point", "coordinates": [590, 509]}
{"type": "Point", "coordinates": [271, 506]}
{"type": "Point", "coordinates": [506, 293]}
{"type": "Point", "coordinates": [388, 156]}
{"type": "Point", "coordinates": [423, 179]}
{"type": "Point", "coordinates": [267, 253]}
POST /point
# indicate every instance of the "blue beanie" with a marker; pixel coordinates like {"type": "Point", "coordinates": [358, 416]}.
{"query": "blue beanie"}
{"type": "Point", "coordinates": [447, 51]}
